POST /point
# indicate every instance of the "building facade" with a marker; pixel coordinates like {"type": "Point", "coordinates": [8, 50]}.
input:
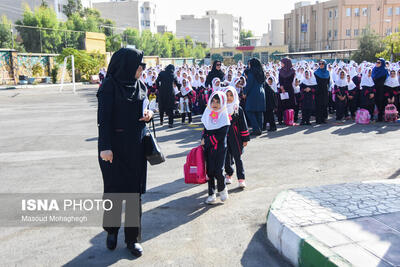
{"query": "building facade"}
{"type": "Point", "coordinates": [275, 34]}
{"type": "Point", "coordinates": [14, 9]}
{"type": "Point", "coordinates": [203, 30]}
{"type": "Point", "coordinates": [229, 27]}
{"type": "Point", "coordinates": [337, 24]}
{"type": "Point", "coordinates": [140, 15]}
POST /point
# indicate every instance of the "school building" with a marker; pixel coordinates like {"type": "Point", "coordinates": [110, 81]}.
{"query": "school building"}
{"type": "Point", "coordinates": [337, 24]}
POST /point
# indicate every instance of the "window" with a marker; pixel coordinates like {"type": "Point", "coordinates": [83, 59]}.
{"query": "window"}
{"type": "Point", "coordinates": [142, 10]}
{"type": "Point", "coordinates": [348, 12]}
{"type": "Point", "coordinates": [390, 11]}
{"type": "Point", "coordinates": [227, 54]}
{"type": "Point", "coordinates": [330, 13]}
{"type": "Point", "coordinates": [335, 33]}
{"type": "Point", "coordinates": [396, 29]}
{"type": "Point", "coordinates": [388, 31]}
{"type": "Point", "coordinates": [336, 12]}
{"type": "Point", "coordinates": [357, 12]}
{"type": "Point", "coordinates": [348, 32]}
{"type": "Point", "coordinates": [356, 32]}
{"type": "Point", "coordinates": [397, 11]}
{"type": "Point", "coordinates": [302, 19]}
{"type": "Point", "coordinates": [143, 23]}
{"type": "Point", "coordinates": [365, 11]}
{"type": "Point", "coordinates": [364, 31]}
{"type": "Point", "coordinates": [147, 9]}
{"type": "Point", "coordinates": [148, 23]}
{"type": "Point", "coordinates": [329, 34]}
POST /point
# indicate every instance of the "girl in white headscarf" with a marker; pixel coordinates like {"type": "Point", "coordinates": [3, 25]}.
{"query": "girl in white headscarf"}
{"type": "Point", "coordinates": [238, 136]}
{"type": "Point", "coordinates": [185, 100]}
{"type": "Point", "coordinates": [308, 87]}
{"type": "Point", "coordinates": [216, 125]}
{"type": "Point", "coordinates": [340, 92]}
{"type": "Point", "coordinates": [367, 93]}
{"type": "Point", "coordinates": [216, 84]}
{"type": "Point", "coordinates": [352, 97]}
{"type": "Point", "coordinates": [391, 89]}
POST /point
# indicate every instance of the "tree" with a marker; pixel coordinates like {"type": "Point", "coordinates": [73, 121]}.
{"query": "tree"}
{"type": "Point", "coordinates": [369, 45]}
{"type": "Point", "coordinates": [5, 33]}
{"type": "Point", "coordinates": [72, 7]}
{"type": "Point", "coordinates": [37, 39]}
{"type": "Point", "coordinates": [238, 57]}
{"type": "Point", "coordinates": [392, 47]}
{"type": "Point", "coordinates": [215, 57]}
{"type": "Point", "coordinates": [86, 64]}
{"type": "Point", "coordinates": [243, 35]}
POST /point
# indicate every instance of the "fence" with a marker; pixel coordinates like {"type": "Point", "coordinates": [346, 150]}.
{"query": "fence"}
{"type": "Point", "coordinates": [38, 67]}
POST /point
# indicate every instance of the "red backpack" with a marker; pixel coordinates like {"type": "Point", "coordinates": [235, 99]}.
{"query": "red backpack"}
{"type": "Point", "coordinates": [195, 167]}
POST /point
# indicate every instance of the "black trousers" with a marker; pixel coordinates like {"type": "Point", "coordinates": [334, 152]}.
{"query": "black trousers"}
{"type": "Point", "coordinates": [380, 104]}
{"type": "Point", "coordinates": [230, 157]}
{"type": "Point", "coordinates": [321, 113]}
{"type": "Point", "coordinates": [305, 115]}
{"type": "Point", "coordinates": [112, 218]}
{"type": "Point", "coordinates": [269, 118]}
{"type": "Point", "coordinates": [170, 115]}
{"type": "Point", "coordinates": [340, 109]}
{"type": "Point", "coordinates": [189, 116]}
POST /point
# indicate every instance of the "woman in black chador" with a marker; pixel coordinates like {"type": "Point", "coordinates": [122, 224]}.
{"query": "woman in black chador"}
{"type": "Point", "coordinates": [122, 113]}
{"type": "Point", "coordinates": [165, 84]}
{"type": "Point", "coordinates": [215, 72]}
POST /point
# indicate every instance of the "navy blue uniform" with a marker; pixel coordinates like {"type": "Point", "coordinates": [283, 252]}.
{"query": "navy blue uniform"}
{"type": "Point", "coordinates": [215, 148]}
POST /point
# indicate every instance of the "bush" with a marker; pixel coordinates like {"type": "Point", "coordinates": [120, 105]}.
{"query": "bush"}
{"type": "Point", "coordinates": [215, 57]}
{"type": "Point", "coordinates": [238, 57]}
{"type": "Point", "coordinates": [54, 74]}
{"type": "Point", "coordinates": [37, 70]}
{"type": "Point", "coordinates": [86, 64]}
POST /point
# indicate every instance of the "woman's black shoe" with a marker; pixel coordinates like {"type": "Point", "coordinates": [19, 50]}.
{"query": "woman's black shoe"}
{"type": "Point", "coordinates": [112, 241]}
{"type": "Point", "coordinates": [272, 130]}
{"type": "Point", "coordinates": [135, 248]}
{"type": "Point", "coordinates": [170, 126]}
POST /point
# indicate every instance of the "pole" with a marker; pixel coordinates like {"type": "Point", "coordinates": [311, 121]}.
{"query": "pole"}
{"type": "Point", "coordinates": [73, 73]}
{"type": "Point", "coordinates": [40, 38]}
{"type": "Point", "coordinates": [63, 73]}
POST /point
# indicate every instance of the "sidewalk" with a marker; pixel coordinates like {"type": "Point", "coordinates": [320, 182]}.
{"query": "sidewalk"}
{"type": "Point", "coordinates": [353, 224]}
{"type": "Point", "coordinates": [31, 86]}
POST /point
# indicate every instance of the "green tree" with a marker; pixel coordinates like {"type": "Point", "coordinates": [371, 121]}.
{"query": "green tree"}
{"type": "Point", "coordinates": [37, 39]}
{"type": "Point", "coordinates": [238, 57]}
{"type": "Point", "coordinates": [392, 47]}
{"type": "Point", "coordinates": [369, 45]}
{"type": "Point", "coordinates": [72, 7]}
{"type": "Point", "coordinates": [243, 35]}
{"type": "Point", "coordinates": [217, 56]}
{"type": "Point", "coordinates": [131, 37]}
{"type": "Point", "coordinates": [86, 64]}
{"type": "Point", "coordinates": [5, 33]}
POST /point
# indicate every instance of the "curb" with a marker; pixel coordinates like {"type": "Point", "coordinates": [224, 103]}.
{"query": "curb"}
{"type": "Point", "coordinates": [295, 245]}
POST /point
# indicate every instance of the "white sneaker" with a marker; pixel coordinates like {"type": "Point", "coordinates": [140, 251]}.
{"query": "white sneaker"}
{"type": "Point", "coordinates": [211, 199]}
{"type": "Point", "coordinates": [224, 195]}
{"type": "Point", "coordinates": [228, 179]}
{"type": "Point", "coordinates": [242, 184]}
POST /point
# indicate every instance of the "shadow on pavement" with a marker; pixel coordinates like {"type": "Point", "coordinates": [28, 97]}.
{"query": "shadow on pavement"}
{"type": "Point", "coordinates": [260, 252]}
{"type": "Point", "coordinates": [155, 222]}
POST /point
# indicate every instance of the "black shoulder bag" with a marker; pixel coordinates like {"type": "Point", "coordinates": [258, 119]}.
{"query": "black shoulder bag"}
{"type": "Point", "coordinates": [152, 150]}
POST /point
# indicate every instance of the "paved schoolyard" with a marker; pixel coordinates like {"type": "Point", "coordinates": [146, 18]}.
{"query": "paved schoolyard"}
{"type": "Point", "coordinates": [48, 143]}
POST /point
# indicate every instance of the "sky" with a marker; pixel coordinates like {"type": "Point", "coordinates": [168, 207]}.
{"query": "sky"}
{"type": "Point", "coordinates": [255, 13]}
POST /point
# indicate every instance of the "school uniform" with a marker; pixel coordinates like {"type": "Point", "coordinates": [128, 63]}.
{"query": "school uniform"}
{"type": "Point", "coordinates": [391, 91]}
{"type": "Point", "coordinates": [216, 127]}
{"type": "Point", "coordinates": [340, 105]}
{"type": "Point", "coordinates": [307, 102]}
{"type": "Point", "coordinates": [238, 134]}
{"type": "Point", "coordinates": [367, 90]}
{"type": "Point", "coordinates": [352, 103]}
{"type": "Point", "coordinates": [271, 104]}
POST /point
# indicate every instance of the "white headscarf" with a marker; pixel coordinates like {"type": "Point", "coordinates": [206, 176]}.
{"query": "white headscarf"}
{"type": "Point", "coordinates": [392, 82]}
{"type": "Point", "coordinates": [273, 86]}
{"type": "Point", "coordinates": [187, 89]}
{"type": "Point", "coordinates": [234, 106]}
{"type": "Point", "coordinates": [341, 82]}
{"type": "Point", "coordinates": [365, 80]}
{"type": "Point", "coordinates": [214, 86]}
{"type": "Point", "coordinates": [213, 120]}
{"type": "Point", "coordinates": [311, 81]}
{"type": "Point", "coordinates": [351, 84]}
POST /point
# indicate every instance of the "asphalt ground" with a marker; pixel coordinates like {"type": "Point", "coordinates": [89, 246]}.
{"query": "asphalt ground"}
{"type": "Point", "coordinates": [48, 143]}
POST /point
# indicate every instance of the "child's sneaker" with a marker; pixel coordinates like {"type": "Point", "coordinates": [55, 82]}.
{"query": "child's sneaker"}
{"type": "Point", "coordinates": [211, 199]}
{"type": "Point", "coordinates": [242, 183]}
{"type": "Point", "coordinates": [224, 195]}
{"type": "Point", "coordinates": [228, 179]}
